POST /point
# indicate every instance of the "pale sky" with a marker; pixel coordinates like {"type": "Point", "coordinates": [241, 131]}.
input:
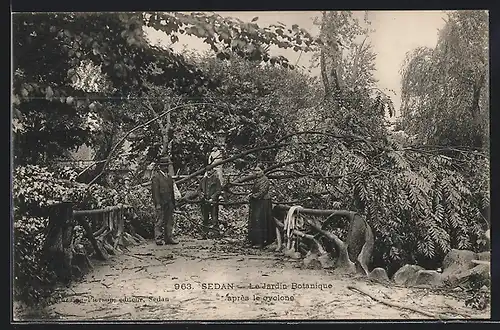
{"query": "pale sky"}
{"type": "Point", "coordinates": [396, 33]}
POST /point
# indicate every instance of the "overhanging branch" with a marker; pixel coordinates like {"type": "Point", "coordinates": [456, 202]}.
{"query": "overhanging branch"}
{"type": "Point", "coordinates": [119, 143]}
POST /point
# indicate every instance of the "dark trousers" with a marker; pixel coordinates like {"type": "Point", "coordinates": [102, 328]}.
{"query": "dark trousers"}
{"type": "Point", "coordinates": [262, 228]}
{"type": "Point", "coordinates": [164, 223]}
{"type": "Point", "coordinates": [209, 211]}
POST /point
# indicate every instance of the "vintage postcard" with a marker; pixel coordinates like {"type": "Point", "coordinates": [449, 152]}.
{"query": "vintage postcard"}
{"type": "Point", "coordinates": [292, 165]}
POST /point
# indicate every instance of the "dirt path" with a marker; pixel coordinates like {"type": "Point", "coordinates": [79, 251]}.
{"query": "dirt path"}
{"type": "Point", "coordinates": [152, 282]}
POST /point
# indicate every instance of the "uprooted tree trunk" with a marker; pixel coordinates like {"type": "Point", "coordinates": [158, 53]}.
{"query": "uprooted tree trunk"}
{"type": "Point", "coordinates": [356, 252]}
{"type": "Point", "coordinates": [322, 254]}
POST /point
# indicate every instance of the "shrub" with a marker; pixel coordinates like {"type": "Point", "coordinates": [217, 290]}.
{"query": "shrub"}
{"type": "Point", "coordinates": [32, 281]}
{"type": "Point", "coordinates": [35, 188]}
{"type": "Point", "coordinates": [140, 199]}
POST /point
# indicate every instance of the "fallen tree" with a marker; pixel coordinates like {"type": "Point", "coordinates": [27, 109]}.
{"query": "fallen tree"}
{"type": "Point", "coordinates": [352, 255]}
{"type": "Point", "coordinates": [68, 259]}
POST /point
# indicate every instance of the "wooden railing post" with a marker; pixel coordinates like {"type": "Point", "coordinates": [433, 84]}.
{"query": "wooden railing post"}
{"type": "Point", "coordinates": [58, 246]}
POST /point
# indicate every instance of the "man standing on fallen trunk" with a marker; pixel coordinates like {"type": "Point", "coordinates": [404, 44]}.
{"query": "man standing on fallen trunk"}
{"type": "Point", "coordinates": [162, 186]}
{"type": "Point", "coordinates": [261, 227]}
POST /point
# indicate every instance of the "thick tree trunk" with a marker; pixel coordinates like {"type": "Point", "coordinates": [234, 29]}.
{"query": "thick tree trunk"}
{"type": "Point", "coordinates": [343, 263]}
{"type": "Point", "coordinates": [329, 64]}
{"type": "Point", "coordinates": [324, 75]}
{"type": "Point", "coordinates": [103, 150]}
{"type": "Point", "coordinates": [166, 135]}
{"type": "Point", "coordinates": [316, 245]}
{"type": "Point", "coordinates": [476, 94]}
{"type": "Point", "coordinates": [476, 111]}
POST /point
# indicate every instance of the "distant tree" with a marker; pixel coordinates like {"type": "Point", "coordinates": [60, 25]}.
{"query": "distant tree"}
{"type": "Point", "coordinates": [445, 90]}
{"type": "Point", "coordinates": [352, 101]}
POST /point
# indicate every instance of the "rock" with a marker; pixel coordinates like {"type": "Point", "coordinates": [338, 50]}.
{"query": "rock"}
{"type": "Point", "coordinates": [325, 261]}
{"type": "Point", "coordinates": [479, 273]}
{"type": "Point", "coordinates": [291, 253]}
{"type": "Point", "coordinates": [345, 268]}
{"type": "Point", "coordinates": [463, 267]}
{"type": "Point", "coordinates": [430, 278]}
{"type": "Point", "coordinates": [272, 247]}
{"type": "Point", "coordinates": [311, 261]}
{"type": "Point", "coordinates": [457, 261]}
{"type": "Point", "coordinates": [407, 275]}
{"type": "Point", "coordinates": [484, 256]}
{"type": "Point", "coordinates": [378, 275]}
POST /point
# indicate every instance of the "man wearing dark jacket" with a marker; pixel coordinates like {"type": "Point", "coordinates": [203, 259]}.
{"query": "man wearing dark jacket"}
{"type": "Point", "coordinates": [162, 186]}
{"type": "Point", "coordinates": [210, 188]}
{"type": "Point", "coordinates": [261, 226]}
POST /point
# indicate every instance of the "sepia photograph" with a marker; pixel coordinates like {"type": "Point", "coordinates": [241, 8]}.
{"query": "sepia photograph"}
{"type": "Point", "coordinates": [250, 165]}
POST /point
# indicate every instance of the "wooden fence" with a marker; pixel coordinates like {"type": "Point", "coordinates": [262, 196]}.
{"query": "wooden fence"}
{"type": "Point", "coordinates": [106, 230]}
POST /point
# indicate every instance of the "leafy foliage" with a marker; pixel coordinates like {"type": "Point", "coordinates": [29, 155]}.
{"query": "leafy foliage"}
{"type": "Point", "coordinates": [115, 45]}
{"type": "Point", "coordinates": [227, 36]}
{"type": "Point", "coordinates": [445, 94]}
{"type": "Point", "coordinates": [251, 107]}
{"type": "Point", "coordinates": [34, 188]}
{"type": "Point", "coordinates": [419, 203]}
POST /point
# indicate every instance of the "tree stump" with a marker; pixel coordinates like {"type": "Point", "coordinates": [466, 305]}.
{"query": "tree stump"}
{"type": "Point", "coordinates": [58, 245]}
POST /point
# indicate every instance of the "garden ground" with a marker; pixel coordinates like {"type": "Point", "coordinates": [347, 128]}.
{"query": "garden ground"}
{"type": "Point", "coordinates": [150, 282]}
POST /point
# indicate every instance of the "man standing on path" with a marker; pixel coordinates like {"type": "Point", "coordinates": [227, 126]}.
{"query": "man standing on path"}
{"type": "Point", "coordinates": [162, 186]}
{"type": "Point", "coordinates": [210, 187]}
{"type": "Point", "coordinates": [261, 225]}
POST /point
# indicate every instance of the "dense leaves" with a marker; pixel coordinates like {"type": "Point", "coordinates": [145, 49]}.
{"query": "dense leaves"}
{"type": "Point", "coordinates": [227, 35]}
{"type": "Point", "coordinates": [34, 189]}
{"type": "Point", "coordinates": [419, 202]}
{"type": "Point", "coordinates": [255, 106]}
{"type": "Point", "coordinates": [445, 94]}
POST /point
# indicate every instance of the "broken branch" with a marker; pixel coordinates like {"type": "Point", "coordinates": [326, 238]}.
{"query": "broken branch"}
{"type": "Point", "coordinates": [393, 304]}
